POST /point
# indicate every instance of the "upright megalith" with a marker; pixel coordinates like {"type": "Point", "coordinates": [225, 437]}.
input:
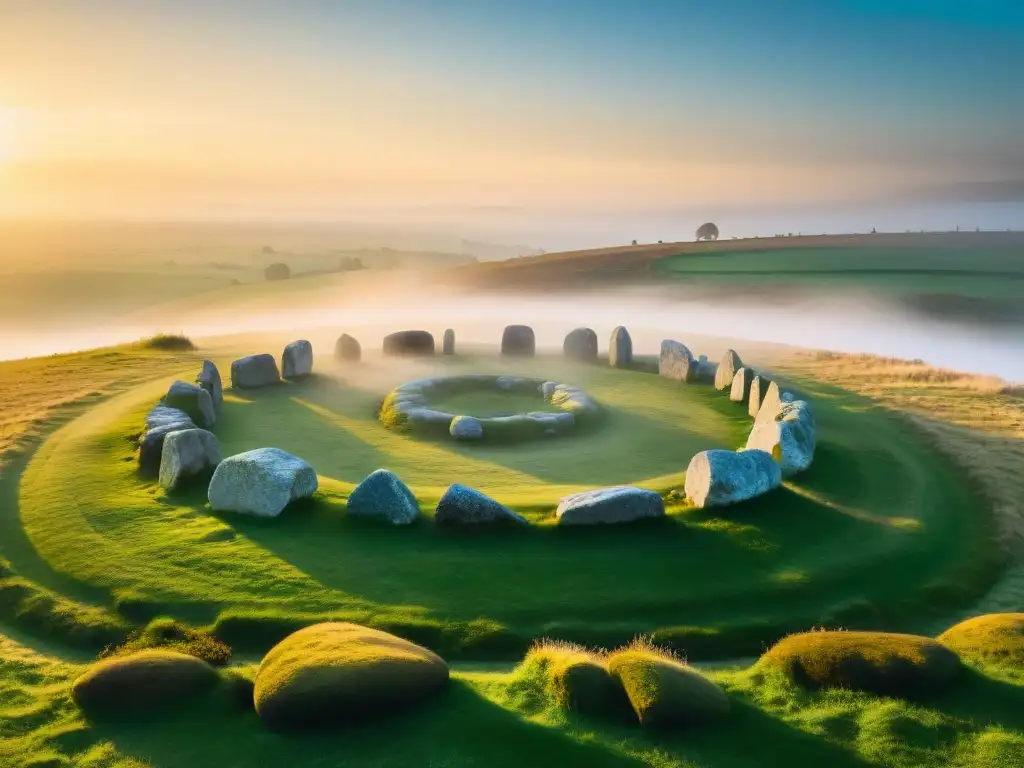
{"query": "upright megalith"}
{"type": "Point", "coordinates": [727, 370]}
{"type": "Point", "coordinates": [620, 349]}
{"type": "Point", "coordinates": [409, 344]}
{"type": "Point", "coordinates": [448, 343]}
{"type": "Point", "coordinates": [187, 454]}
{"type": "Point", "coordinates": [773, 398]}
{"type": "Point", "coordinates": [297, 360]}
{"type": "Point", "coordinates": [740, 390]}
{"type": "Point", "coordinates": [347, 348]}
{"type": "Point", "coordinates": [209, 379]}
{"type": "Point", "coordinates": [717, 478]}
{"type": "Point", "coordinates": [758, 389]}
{"type": "Point", "coordinates": [581, 345]}
{"type": "Point", "coordinates": [788, 432]}
{"type": "Point", "coordinates": [254, 371]}
{"type": "Point", "coordinates": [677, 362]}
{"type": "Point", "coordinates": [194, 401]}
{"type": "Point", "coordinates": [518, 340]}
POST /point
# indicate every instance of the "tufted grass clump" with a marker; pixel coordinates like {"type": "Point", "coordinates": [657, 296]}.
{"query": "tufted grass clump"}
{"type": "Point", "coordinates": [890, 664]}
{"type": "Point", "coordinates": [995, 638]}
{"type": "Point", "coordinates": [662, 689]}
{"type": "Point", "coordinates": [169, 342]}
{"type": "Point", "coordinates": [573, 678]}
{"type": "Point", "coordinates": [171, 635]}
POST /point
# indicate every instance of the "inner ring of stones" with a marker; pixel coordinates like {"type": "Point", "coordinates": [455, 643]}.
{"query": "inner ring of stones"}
{"type": "Point", "coordinates": [407, 407]}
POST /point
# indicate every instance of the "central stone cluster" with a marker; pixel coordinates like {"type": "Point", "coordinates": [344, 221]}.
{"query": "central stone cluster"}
{"type": "Point", "coordinates": [408, 408]}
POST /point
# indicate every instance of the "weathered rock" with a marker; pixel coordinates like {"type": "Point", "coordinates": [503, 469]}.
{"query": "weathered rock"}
{"type": "Point", "coordinates": [347, 348]}
{"type": "Point", "coordinates": [409, 344]}
{"type": "Point", "coordinates": [466, 428]}
{"type": "Point", "coordinates": [518, 340]}
{"type": "Point", "coordinates": [384, 496]}
{"type": "Point", "coordinates": [151, 444]}
{"type": "Point", "coordinates": [193, 400]}
{"type": "Point", "coordinates": [163, 415]}
{"type": "Point", "coordinates": [574, 400]}
{"type": "Point", "coordinates": [297, 360]}
{"type": "Point", "coordinates": [260, 482]}
{"type": "Point", "coordinates": [758, 389]}
{"type": "Point", "coordinates": [727, 370]}
{"type": "Point", "coordinates": [462, 505]}
{"type": "Point", "coordinates": [676, 362]}
{"type": "Point", "coordinates": [580, 344]}
{"type": "Point", "coordinates": [740, 391]}
{"type": "Point", "coordinates": [620, 349]}
{"type": "Point", "coordinates": [619, 504]}
{"type": "Point", "coordinates": [790, 437]}
{"type": "Point", "coordinates": [448, 343]}
{"type": "Point", "coordinates": [187, 453]}
{"type": "Point", "coordinates": [209, 379]}
{"type": "Point", "coordinates": [770, 404]}
{"type": "Point", "coordinates": [717, 478]}
{"type": "Point", "coordinates": [254, 371]}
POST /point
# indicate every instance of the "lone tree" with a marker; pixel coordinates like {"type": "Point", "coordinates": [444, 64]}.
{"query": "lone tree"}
{"type": "Point", "coordinates": [277, 271]}
{"type": "Point", "coordinates": [707, 231]}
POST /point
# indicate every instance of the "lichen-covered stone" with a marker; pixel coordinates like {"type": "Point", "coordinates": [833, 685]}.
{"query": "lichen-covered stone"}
{"type": "Point", "coordinates": [209, 379]}
{"type": "Point", "coordinates": [518, 340]}
{"type": "Point", "coordinates": [462, 505]}
{"type": "Point", "coordinates": [260, 482]}
{"type": "Point", "coordinates": [727, 368]}
{"type": "Point", "coordinates": [677, 362]}
{"type": "Point", "coordinates": [297, 360]}
{"type": "Point", "coordinates": [164, 420]}
{"type": "Point", "coordinates": [740, 390]}
{"type": "Point", "coordinates": [382, 495]}
{"type": "Point", "coordinates": [717, 477]}
{"type": "Point", "coordinates": [254, 371]}
{"type": "Point", "coordinates": [193, 400]}
{"type": "Point", "coordinates": [347, 348]}
{"type": "Point", "coordinates": [580, 344]}
{"type": "Point", "coordinates": [788, 433]}
{"type": "Point", "coordinates": [187, 453]}
{"type": "Point", "coordinates": [619, 504]}
{"type": "Point", "coordinates": [466, 428]}
{"type": "Point", "coordinates": [620, 349]}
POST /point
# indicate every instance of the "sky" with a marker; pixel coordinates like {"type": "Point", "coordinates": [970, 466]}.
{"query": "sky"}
{"type": "Point", "coordinates": [321, 109]}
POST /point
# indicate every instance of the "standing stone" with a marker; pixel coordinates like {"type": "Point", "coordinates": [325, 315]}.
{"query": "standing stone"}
{"type": "Point", "coordinates": [254, 371]}
{"type": "Point", "coordinates": [518, 340]}
{"type": "Point", "coordinates": [187, 453]}
{"type": "Point", "coordinates": [382, 495]}
{"type": "Point", "coordinates": [717, 477]}
{"type": "Point", "coordinates": [758, 389]}
{"type": "Point", "coordinates": [581, 345]}
{"type": "Point", "coordinates": [619, 504]}
{"type": "Point", "coordinates": [209, 379]}
{"type": "Point", "coordinates": [194, 401]}
{"type": "Point", "coordinates": [740, 391]}
{"type": "Point", "coordinates": [297, 360]}
{"type": "Point", "coordinates": [773, 399]}
{"type": "Point", "coordinates": [347, 348]}
{"type": "Point", "coordinates": [620, 349]}
{"type": "Point", "coordinates": [790, 437]}
{"type": "Point", "coordinates": [260, 482]}
{"type": "Point", "coordinates": [727, 370]}
{"type": "Point", "coordinates": [462, 505]}
{"type": "Point", "coordinates": [466, 428]}
{"type": "Point", "coordinates": [448, 343]}
{"type": "Point", "coordinates": [676, 362]}
{"type": "Point", "coordinates": [408, 344]}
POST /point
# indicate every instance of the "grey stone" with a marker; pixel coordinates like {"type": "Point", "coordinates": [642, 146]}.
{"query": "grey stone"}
{"type": "Point", "coordinates": [260, 482]}
{"type": "Point", "coordinates": [448, 343]}
{"type": "Point", "coordinates": [297, 360]}
{"type": "Point", "coordinates": [209, 379]}
{"type": "Point", "coordinates": [193, 400]}
{"type": "Point", "coordinates": [408, 344]}
{"type": "Point", "coordinates": [790, 437]}
{"type": "Point", "coordinates": [461, 505]}
{"type": "Point", "coordinates": [770, 404]}
{"type": "Point", "coordinates": [547, 389]}
{"type": "Point", "coordinates": [619, 504]}
{"type": "Point", "coordinates": [717, 478]}
{"type": "Point", "coordinates": [162, 415]}
{"type": "Point", "coordinates": [384, 496]}
{"type": "Point", "coordinates": [676, 362]}
{"type": "Point", "coordinates": [187, 453]}
{"type": "Point", "coordinates": [727, 370]}
{"type": "Point", "coordinates": [758, 390]}
{"type": "Point", "coordinates": [740, 391]}
{"type": "Point", "coordinates": [580, 344]}
{"type": "Point", "coordinates": [347, 348]}
{"type": "Point", "coordinates": [466, 428]}
{"type": "Point", "coordinates": [574, 400]}
{"type": "Point", "coordinates": [620, 349]}
{"type": "Point", "coordinates": [254, 371]}
{"type": "Point", "coordinates": [518, 340]}
{"type": "Point", "coordinates": [151, 445]}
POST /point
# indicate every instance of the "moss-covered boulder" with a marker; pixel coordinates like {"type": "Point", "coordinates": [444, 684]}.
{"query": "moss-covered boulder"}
{"type": "Point", "coordinates": [995, 638]}
{"type": "Point", "coordinates": [337, 672]}
{"type": "Point", "coordinates": [575, 678]}
{"type": "Point", "coordinates": [885, 663]}
{"type": "Point", "coordinates": [142, 682]}
{"type": "Point", "coordinates": [663, 691]}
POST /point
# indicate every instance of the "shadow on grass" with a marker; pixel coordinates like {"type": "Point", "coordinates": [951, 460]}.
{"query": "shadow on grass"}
{"type": "Point", "coordinates": [984, 700]}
